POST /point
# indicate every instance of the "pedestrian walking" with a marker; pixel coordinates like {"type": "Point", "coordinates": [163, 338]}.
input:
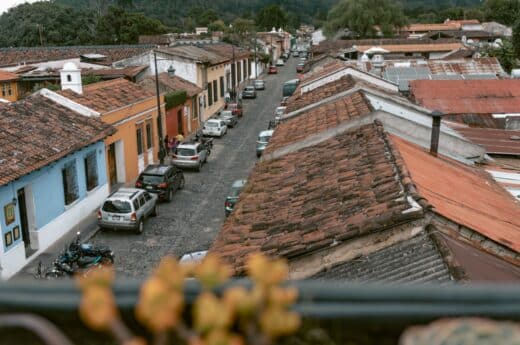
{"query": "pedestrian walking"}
{"type": "Point", "coordinates": [166, 141]}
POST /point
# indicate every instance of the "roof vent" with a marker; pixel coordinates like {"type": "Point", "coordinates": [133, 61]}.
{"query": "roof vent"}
{"type": "Point", "coordinates": [436, 130]}
{"type": "Point", "coordinates": [171, 71]}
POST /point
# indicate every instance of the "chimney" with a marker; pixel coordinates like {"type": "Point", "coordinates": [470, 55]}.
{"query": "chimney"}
{"type": "Point", "coordinates": [436, 131]}
{"type": "Point", "coordinates": [70, 77]}
{"type": "Point", "coordinates": [171, 71]}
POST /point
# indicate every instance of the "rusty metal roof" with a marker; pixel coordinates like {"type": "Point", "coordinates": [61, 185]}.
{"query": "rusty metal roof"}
{"type": "Point", "coordinates": [495, 141]}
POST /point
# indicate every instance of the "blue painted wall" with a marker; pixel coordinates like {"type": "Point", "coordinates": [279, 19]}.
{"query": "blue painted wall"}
{"type": "Point", "coordinates": [47, 188]}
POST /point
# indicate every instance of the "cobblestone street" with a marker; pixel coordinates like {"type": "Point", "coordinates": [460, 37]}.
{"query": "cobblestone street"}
{"type": "Point", "coordinates": [192, 220]}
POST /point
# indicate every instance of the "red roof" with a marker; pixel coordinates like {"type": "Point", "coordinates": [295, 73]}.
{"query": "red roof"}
{"type": "Point", "coordinates": [319, 119]}
{"type": "Point", "coordinates": [7, 76]}
{"type": "Point", "coordinates": [497, 141]}
{"type": "Point", "coordinates": [110, 95]}
{"type": "Point", "coordinates": [468, 96]}
{"type": "Point", "coordinates": [465, 195]}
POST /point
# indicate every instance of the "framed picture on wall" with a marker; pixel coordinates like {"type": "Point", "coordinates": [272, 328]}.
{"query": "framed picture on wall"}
{"type": "Point", "coordinates": [16, 233]}
{"type": "Point", "coordinates": [9, 213]}
{"type": "Point", "coordinates": [8, 238]}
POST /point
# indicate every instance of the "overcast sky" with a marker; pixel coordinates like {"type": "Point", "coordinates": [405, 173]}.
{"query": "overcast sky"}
{"type": "Point", "coordinates": [6, 4]}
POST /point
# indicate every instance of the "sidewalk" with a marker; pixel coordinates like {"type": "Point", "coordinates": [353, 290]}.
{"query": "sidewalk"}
{"type": "Point", "coordinates": [87, 227]}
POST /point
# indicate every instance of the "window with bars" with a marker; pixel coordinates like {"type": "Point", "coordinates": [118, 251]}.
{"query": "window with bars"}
{"type": "Point", "coordinates": [70, 183]}
{"type": "Point", "coordinates": [215, 91]}
{"type": "Point", "coordinates": [244, 63]}
{"type": "Point", "coordinates": [6, 89]}
{"type": "Point", "coordinates": [222, 87]}
{"type": "Point", "coordinates": [149, 135]}
{"type": "Point", "coordinates": [195, 108]}
{"type": "Point", "coordinates": [239, 72]}
{"type": "Point", "coordinates": [91, 173]}
{"type": "Point", "coordinates": [140, 148]}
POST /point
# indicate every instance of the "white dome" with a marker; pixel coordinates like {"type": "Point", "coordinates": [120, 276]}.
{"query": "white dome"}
{"type": "Point", "coordinates": [70, 66]}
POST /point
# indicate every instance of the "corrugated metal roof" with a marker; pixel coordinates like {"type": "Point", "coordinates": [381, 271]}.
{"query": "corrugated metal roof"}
{"type": "Point", "coordinates": [468, 96]}
{"type": "Point", "coordinates": [496, 141]}
{"type": "Point", "coordinates": [466, 66]}
{"type": "Point", "coordinates": [412, 47]}
{"type": "Point", "coordinates": [412, 261]}
{"type": "Point", "coordinates": [195, 53]}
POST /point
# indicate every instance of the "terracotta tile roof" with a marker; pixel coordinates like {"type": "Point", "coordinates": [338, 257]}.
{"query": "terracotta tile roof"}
{"type": "Point", "coordinates": [317, 73]}
{"type": "Point", "coordinates": [307, 200]}
{"type": "Point", "coordinates": [195, 53]}
{"type": "Point", "coordinates": [416, 260]}
{"type": "Point", "coordinates": [36, 132]}
{"type": "Point", "coordinates": [468, 96]}
{"type": "Point", "coordinates": [415, 47]}
{"type": "Point", "coordinates": [14, 56]}
{"type": "Point", "coordinates": [8, 76]}
{"type": "Point", "coordinates": [226, 50]}
{"type": "Point", "coordinates": [319, 119]}
{"type": "Point", "coordinates": [104, 73]}
{"type": "Point", "coordinates": [495, 141]}
{"type": "Point", "coordinates": [465, 195]}
{"type": "Point", "coordinates": [431, 27]}
{"type": "Point", "coordinates": [298, 100]}
{"type": "Point", "coordinates": [171, 84]}
{"type": "Point", "coordinates": [109, 95]}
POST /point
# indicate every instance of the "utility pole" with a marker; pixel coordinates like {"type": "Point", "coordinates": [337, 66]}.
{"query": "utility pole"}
{"type": "Point", "coordinates": [233, 74]}
{"type": "Point", "coordinates": [256, 61]}
{"type": "Point", "coordinates": [41, 34]}
{"type": "Point", "coordinates": [162, 150]}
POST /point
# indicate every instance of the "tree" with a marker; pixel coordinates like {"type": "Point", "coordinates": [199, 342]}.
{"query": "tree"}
{"type": "Point", "coordinates": [217, 25]}
{"type": "Point", "coordinates": [46, 23]}
{"type": "Point", "coordinates": [121, 27]}
{"type": "Point", "coordinates": [271, 17]}
{"type": "Point", "coordinates": [516, 38]}
{"type": "Point", "coordinates": [502, 11]}
{"type": "Point", "coordinates": [505, 53]}
{"type": "Point", "coordinates": [362, 17]}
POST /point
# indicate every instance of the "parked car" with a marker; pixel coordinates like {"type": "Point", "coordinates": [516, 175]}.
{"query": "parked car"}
{"type": "Point", "coordinates": [214, 127]}
{"type": "Point", "coordinates": [272, 70]}
{"type": "Point", "coordinates": [236, 108]}
{"type": "Point", "coordinates": [262, 140]}
{"type": "Point", "coordinates": [278, 113]}
{"type": "Point", "coordinates": [163, 180]}
{"type": "Point", "coordinates": [127, 209]}
{"type": "Point", "coordinates": [283, 103]}
{"type": "Point", "coordinates": [190, 155]}
{"type": "Point", "coordinates": [259, 84]}
{"type": "Point", "coordinates": [299, 67]}
{"type": "Point", "coordinates": [280, 62]}
{"type": "Point", "coordinates": [193, 257]}
{"type": "Point", "coordinates": [228, 117]}
{"type": "Point", "coordinates": [249, 92]}
{"type": "Point", "coordinates": [295, 54]}
{"type": "Point", "coordinates": [285, 56]}
{"type": "Point", "coordinates": [233, 196]}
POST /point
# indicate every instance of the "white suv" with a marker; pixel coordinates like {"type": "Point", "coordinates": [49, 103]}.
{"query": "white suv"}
{"type": "Point", "coordinates": [127, 209]}
{"type": "Point", "coordinates": [214, 127]}
{"type": "Point", "coordinates": [190, 155]}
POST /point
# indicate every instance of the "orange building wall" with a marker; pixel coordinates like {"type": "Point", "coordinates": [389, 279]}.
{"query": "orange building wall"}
{"type": "Point", "coordinates": [127, 120]}
{"type": "Point", "coordinates": [187, 122]}
{"type": "Point", "coordinates": [14, 90]}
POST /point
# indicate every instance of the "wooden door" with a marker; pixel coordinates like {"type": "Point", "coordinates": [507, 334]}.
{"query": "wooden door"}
{"type": "Point", "coordinates": [112, 169]}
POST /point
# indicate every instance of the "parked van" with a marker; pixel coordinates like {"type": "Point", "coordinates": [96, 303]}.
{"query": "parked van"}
{"type": "Point", "coordinates": [289, 87]}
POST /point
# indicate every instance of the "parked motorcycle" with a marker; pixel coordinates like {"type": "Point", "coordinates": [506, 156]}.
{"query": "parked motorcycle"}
{"type": "Point", "coordinates": [88, 250]}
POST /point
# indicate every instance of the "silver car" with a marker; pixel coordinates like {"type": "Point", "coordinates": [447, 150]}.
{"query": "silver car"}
{"type": "Point", "coordinates": [228, 117]}
{"type": "Point", "coordinates": [190, 155]}
{"type": "Point", "coordinates": [262, 141]}
{"type": "Point", "coordinates": [127, 209]}
{"type": "Point", "coordinates": [259, 84]}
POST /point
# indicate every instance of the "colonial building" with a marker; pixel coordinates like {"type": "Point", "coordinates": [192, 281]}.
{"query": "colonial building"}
{"type": "Point", "coordinates": [9, 86]}
{"type": "Point", "coordinates": [53, 175]}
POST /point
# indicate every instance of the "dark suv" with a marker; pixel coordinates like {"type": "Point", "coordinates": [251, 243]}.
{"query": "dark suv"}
{"type": "Point", "coordinates": [162, 180]}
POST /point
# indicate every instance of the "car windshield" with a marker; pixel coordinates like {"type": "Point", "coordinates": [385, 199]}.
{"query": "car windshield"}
{"type": "Point", "coordinates": [211, 124]}
{"type": "Point", "coordinates": [153, 179]}
{"type": "Point", "coordinates": [117, 206]}
{"type": "Point", "coordinates": [264, 138]}
{"type": "Point", "coordinates": [249, 88]}
{"type": "Point", "coordinates": [185, 152]}
{"type": "Point", "coordinates": [235, 191]}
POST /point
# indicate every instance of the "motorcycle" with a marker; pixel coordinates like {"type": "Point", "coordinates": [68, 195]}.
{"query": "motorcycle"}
{"type": "Point", "coordinates": [206, 142]}
{"type": "Point", "coordinates": [84, 251]}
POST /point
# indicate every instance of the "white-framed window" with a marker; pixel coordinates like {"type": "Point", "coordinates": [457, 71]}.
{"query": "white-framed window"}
{"type": "Point", "coordinates": [91, 170]}
{"type": "Point", "coordinates": [70, 182]}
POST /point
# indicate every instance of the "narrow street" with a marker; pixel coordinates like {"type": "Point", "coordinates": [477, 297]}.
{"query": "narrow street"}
{"type": "Point", "coordinates": [192, 220]}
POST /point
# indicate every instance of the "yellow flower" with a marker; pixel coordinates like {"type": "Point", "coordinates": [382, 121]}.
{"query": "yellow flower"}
{"type": "Point", "coordinates": [97, 307]}
{"type": "Point", "coordinates": [171, 272]}
{"type": "Point", "coordinates": [276, 322]}
{"type": "Point", "coordinates": [211, 272]}
{"type": "Point", "coordinates": [241, 300]}
{"type": "Point", "coordinates": [221, 337]}
{"type": "Point", "coordinates": [100, 276]}
{"type": "Point", "coordinates": [264, 271]}
{"type": "Point", "coordinates": [159, 307]}
{"type": "Point", "coordinates": [210, 313]}
{"type": "Point", "coordinates": [280, 296]}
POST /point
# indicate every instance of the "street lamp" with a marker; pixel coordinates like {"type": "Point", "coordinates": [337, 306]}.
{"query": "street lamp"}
{"type": "Point", "coordinates": [162, 149]}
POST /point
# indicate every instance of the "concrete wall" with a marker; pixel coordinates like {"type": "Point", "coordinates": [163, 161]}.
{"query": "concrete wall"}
{"type": "Point", "coordinates": [48, 216]}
